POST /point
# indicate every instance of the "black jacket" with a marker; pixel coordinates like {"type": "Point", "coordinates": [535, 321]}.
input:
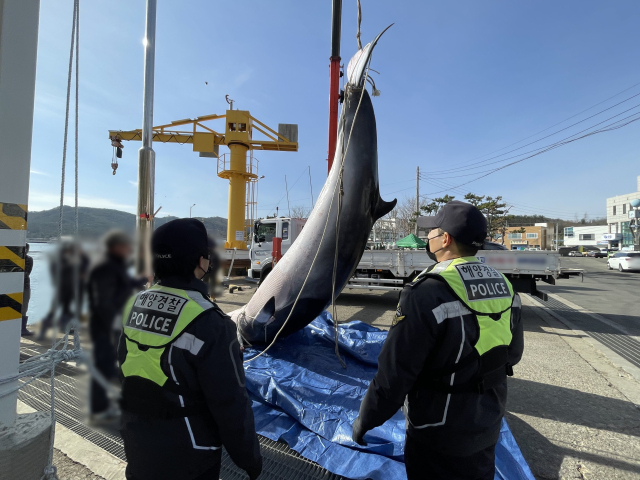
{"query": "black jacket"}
{"type": "Point", "coordinates": [428, 336]}
{"type": "Point", "coordinates": [109, 286]}
{"type": "Point", "coordinates": [28, 267]}
{"type": "Point", "coordinates": [213, 375]}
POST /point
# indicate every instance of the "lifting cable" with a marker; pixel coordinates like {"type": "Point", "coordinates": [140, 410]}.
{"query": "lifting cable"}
{"type": "Point", "coordinates": [50, 472]}
{"type": "Point", "coordinates": [341, 192]}
{"type": "Point", "coordinates": [359, 22]}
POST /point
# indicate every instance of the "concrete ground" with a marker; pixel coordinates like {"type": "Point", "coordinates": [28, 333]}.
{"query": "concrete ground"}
{"type": "Point", "coordinates": [569, 419]}
{"type": "Point", "coordinates": [70, 470]}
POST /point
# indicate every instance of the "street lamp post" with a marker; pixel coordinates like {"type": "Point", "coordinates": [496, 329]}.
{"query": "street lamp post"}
{"type": "Point", "coordinates": [190, 209]}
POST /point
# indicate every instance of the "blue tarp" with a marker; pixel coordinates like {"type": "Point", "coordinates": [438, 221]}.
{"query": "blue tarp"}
{"type": "Point", "coordinates": [303, 396]}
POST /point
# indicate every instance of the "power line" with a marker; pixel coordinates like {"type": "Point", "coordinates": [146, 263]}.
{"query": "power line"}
{"type": "Point", "coordinates": [558, 144]}
{"type": "Point", "coordinates": [573, 116]}
{"type": "Point", "coordinates": [511, 151]}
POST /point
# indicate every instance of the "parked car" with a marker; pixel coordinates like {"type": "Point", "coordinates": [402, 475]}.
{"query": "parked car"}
{"type": "Point", "coordinates": [596, 254]}
{"type": "Point", "coordinates": [575, 253]}
{"type": "Point", "coordinates": [624, 261]}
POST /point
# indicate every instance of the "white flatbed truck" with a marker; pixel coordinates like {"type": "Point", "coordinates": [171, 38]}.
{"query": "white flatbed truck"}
{"type": "Point", "coordinates": [391, 269]}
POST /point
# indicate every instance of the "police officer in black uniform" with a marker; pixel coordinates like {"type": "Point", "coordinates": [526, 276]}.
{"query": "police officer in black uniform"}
{"type": "Point", "coordinates": [183, 393]}
{"type": "Point", "coordinates": [455, 336]}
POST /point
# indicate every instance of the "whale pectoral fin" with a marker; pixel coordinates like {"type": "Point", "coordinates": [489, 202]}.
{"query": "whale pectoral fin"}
{"type": "Point", "coordinates": [384, 207]}
{"type": "Point", "coordinates": [267, 312]}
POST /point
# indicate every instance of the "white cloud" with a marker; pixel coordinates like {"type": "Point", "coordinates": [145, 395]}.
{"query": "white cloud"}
{"type": "Point", "coordinates": [135, 184]}
{"type": "Point", "coordinates": [36, 172]}
{"type": "Point", "coordinates": [45, 201]}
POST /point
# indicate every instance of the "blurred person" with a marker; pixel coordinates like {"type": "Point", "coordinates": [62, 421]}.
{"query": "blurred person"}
{"type": "Point", "coordinates": [26, 296]}
{"type": "Point", "coordinates": [211, 278]}
{"type": "Point", "coordinates": [109, 287]}
{"type": "Point", "coordinates": [183, 392]}
{"type": "Point", "coordinates": [64, 263]}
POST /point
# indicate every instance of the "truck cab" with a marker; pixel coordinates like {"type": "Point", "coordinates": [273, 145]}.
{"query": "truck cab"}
{"type": "Point", "coordinates": [264, 231]}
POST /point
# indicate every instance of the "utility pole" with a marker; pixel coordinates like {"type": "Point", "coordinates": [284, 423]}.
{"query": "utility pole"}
{"type": "Point", "coordinates": [146, 155]}
{"type": "Point", "coordinates": [334, 80]}
{"type": "Point", "coordinates": [557, 236]}
{"type": "Point", "coordinates": [417, 197]}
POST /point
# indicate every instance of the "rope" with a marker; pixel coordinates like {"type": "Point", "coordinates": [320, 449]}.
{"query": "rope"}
{"type": "Point", "coordinates": [334, 311]}
{"type": "Point", "coordinates": [50, 472]}
{"type": "Point", "coordinates": [355, 116]}
{"type": "Point", "coordinates": [359, 22]}
{"type": "Point", "coordinates": [66, 117]}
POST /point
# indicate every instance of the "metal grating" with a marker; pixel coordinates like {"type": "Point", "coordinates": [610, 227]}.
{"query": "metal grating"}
{"type": "Point", "coordinates": [625, 346]}
{"type": "Point", "coordinates": [280, 462]}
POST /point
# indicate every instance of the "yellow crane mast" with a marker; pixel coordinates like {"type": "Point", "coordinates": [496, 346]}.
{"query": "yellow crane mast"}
{"type": "Point", "coordinates": [239, 168]}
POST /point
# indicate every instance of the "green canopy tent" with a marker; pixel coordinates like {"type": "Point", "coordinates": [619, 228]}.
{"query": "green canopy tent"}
{"type": "Point", "coordinates": [411, 241]}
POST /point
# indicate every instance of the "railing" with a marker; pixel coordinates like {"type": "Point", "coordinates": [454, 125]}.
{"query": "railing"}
{"type": "Point", "coordinates": [251, 168]}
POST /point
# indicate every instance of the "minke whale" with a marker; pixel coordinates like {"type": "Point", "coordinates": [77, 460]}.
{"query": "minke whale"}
{"type": "Point", "coordinates": [306, 271]}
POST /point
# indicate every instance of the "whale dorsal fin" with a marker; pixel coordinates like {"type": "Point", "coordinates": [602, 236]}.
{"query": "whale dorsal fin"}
{"type": "Point", "coordinates": [384, 207]}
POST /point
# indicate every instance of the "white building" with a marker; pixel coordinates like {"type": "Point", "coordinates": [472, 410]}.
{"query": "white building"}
{"type": "Point", "coordinates": [384, 231]}
{"type": "Point", "coordinates": [587, 236]}
{"type": "Point", "coordinates": [619, 234]}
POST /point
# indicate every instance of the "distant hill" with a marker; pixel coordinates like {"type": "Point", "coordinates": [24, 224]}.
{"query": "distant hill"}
{"type": "Point", "coordinates": [94, 222]}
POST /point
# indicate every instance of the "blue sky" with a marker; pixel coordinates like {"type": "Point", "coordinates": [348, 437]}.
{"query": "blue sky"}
{"type": "Point", "coordinates": [459, 81]}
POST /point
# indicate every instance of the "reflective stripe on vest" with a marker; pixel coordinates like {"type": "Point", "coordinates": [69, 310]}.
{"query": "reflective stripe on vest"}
{"type": "Point", "coordinates": [485, 291]}
{"type": "Point", "coordinates": [152, 320]}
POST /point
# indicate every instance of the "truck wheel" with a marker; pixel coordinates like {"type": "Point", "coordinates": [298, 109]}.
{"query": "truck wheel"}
{"type": "Point", "coordinates": [263, 277]}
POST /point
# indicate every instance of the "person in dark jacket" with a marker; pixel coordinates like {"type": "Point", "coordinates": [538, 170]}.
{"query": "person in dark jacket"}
{"type": "Point", "coordinates": [26, 296]}
{"type": "Point", "coordinates": [68, 260]}
{"type": "Point", "coordinates": [109, 287]}
{"type": "Point", "coordinates": [454, 338]}
{"type": "Point", "coordinates": [183, 392]}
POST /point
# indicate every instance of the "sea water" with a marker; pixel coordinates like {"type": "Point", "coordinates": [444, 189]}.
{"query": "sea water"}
{"type": "Point", "coordinates": [41, 286]}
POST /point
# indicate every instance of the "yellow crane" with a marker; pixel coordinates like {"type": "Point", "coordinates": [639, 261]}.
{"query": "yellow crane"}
{"type": "Point", "coordinates": [239, 168]}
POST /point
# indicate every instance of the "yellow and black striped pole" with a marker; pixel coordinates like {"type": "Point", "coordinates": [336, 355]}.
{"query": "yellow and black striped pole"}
{"type": "Point", "coordinates": [13, 217]}
{"type": "Point", "coordinates": [18, 49]}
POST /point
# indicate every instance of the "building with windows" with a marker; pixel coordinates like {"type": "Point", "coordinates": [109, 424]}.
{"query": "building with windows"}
{"type": "Point", "coordinates": [538, 236]}
{"type": "Point", "coordinates": [619, 235]}
{"type": "Point", "coordinates": [587, 236]}
{"type": "Point", "coordinates": [384, 231]}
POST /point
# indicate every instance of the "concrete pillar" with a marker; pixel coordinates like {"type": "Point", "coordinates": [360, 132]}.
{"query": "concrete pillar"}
{"type": "Point", "coordinates": [18, 52]}
{"type": "Point", "coordinates": [24, 439]}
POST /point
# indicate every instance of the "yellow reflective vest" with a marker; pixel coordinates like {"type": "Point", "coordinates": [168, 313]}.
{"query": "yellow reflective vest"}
{"type": "Point", "coordinates": [488, 295]}
{"type": "Point", "coordinates": [152, 320]}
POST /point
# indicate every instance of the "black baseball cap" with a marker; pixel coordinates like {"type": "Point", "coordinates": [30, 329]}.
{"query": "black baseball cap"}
{"type": "Point", "coordinates": [464, 222]}
{"type": "Point", "coordinates": [178, 245]}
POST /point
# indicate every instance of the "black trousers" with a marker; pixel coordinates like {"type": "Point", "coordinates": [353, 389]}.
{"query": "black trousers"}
{"type": "Point", "coordinates": [212, 473]}
{"type": "Point", "coordinates": [25, 307]}
{"type": "Point", "coordinates": [104, 359]}
{"type": "Point", "coordinates": [423, 463]}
